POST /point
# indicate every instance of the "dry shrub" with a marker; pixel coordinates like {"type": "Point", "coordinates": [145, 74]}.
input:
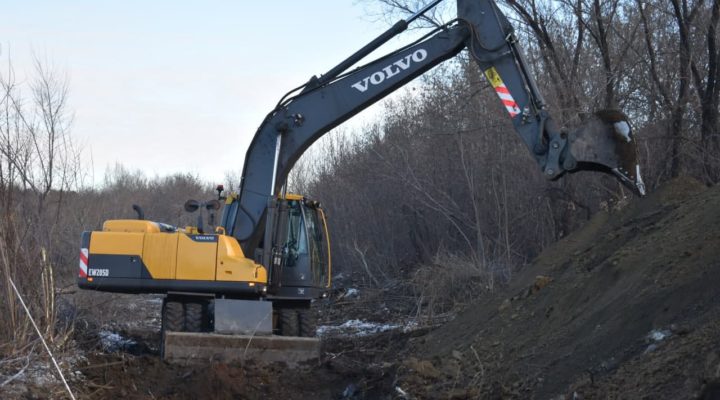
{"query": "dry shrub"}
{"type": "Point", "coordinates": [29, 268]}
{"type": "Point", "coordinates": [451, 282]}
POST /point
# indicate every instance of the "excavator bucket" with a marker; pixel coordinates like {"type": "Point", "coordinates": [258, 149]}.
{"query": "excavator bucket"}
{"type": "Point", "coordinates": [606, 143]}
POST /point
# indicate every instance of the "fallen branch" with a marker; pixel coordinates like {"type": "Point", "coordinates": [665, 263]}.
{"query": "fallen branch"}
{"type": "Point", "coordinates": [94, 385]}
{"type": "Point", "coordinates": [108, 364]}
{"type": "Point", "coordinates": [19, 373]}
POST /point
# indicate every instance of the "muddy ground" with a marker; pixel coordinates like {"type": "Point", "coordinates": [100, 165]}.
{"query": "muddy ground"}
{"type": "Point", "coordinates": [628, 308]}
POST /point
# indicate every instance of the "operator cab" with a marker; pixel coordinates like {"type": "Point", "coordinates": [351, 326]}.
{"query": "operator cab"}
{"type": "Point", "coordinates": [296, 251]}
{"type": "Point", "coordinates": [306, 249]}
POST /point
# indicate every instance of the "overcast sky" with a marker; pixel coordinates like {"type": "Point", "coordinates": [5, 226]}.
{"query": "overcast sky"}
{"type": "Point", "coordinates": [179, 86]}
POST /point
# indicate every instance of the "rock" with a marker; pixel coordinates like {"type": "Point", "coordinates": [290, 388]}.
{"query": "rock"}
{"type": "Point", "coordinates": [658, 335]}
{"type": "Point", "coordinates": [504, 305]}
{"type": "Point", "coordinates": [457, 355]}
{"type": "Point", "coordinates": [427, 370]}
{"type": "Point", "coordinates": [680, 329]}
{"type": "Point", "coordinates": [403, 394]}
{"type": "Point", "coordinates": [651, 348]}
{"type": "Point", "coordinates": [349, 391]}
{"type": "Point", "coordinates": [423, 368]}
{"type": "Point", "coordinates": [540, 282]}
{"type": "Point", "coordinates": [549, 311]}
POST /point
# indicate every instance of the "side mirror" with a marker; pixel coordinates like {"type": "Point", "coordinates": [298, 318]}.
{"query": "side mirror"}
{"type": "Point", "coordinates": [212, 205]}
{"type": "Point", "coordinates": [219, 189]}
{"type": "Point", "coordinates": [191, 206]}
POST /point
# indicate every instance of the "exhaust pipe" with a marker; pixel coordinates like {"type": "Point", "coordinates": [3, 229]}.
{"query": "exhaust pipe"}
{"type": "Point", "coordinates": [139, 211]}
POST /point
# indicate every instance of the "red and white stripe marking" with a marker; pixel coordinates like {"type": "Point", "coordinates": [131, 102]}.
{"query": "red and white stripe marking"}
{"type": "Point", "coordinates": [502, 91]}
{"type": "Point", "coordinates": [83, 263]}
{"type": "Point", "coordinates": [510, 105]}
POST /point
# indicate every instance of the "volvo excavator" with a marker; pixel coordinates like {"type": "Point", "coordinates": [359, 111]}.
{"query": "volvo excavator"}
{"type": "Point", "coordinates": [260, 270]}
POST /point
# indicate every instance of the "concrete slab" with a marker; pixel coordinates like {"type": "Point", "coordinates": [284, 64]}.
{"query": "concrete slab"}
{"type": "Point", "coordinates": [243, 317]}
{"type": "Point", "coordinates": [203, 347]}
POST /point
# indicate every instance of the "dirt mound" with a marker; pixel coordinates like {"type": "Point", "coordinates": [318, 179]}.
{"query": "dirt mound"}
{"type": "Point", "coordinates": [626, 307]}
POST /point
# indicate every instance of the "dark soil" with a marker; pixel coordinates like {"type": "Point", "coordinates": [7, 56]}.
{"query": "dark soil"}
{"type": "Point", "coordinates": [627, 307]}
{"type": "Point", "coordinates": [351, 368]}
{"type": "Point", "coordinates": [580, 321]}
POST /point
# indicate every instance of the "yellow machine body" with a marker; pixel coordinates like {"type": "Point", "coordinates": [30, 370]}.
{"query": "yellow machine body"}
{"type": "Point", "coordinates": [140, 256]}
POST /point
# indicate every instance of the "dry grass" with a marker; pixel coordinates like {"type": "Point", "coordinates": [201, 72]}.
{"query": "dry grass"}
{"type": "Point", "coordinates": [452, 281]}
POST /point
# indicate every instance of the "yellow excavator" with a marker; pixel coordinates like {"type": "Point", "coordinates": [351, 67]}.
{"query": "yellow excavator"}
{"type": "Point", "coordinates": [259, 271]}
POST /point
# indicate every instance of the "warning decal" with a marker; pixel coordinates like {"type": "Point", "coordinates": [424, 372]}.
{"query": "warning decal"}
{"type": "Point", "coordinates": [502, 91]}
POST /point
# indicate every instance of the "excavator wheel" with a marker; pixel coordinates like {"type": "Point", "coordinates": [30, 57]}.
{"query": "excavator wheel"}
{"type": "Point", "coordinates": [172, 320]}
{"type": "Point", "coordinates": [288, 321]}
{"type": "Point", "coordinates": [194, 317]}
{"type": "Point", "coordinates": [172, 316]}
{"type": "Point", "coordinates": [308, 322]}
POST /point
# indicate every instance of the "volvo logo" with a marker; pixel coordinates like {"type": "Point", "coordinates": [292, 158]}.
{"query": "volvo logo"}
{"type": "Point", "coordinates": [391, 70]}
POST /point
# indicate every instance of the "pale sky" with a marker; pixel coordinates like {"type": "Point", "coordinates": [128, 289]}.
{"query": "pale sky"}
{"type": "Point", "coordinates": [178, 86]}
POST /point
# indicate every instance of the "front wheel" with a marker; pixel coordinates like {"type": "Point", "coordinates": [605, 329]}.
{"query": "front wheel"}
{"type": "Point", "coordinates": [288, 321]}
{"type": "Point", "coordinates": [173, 316]}
{"type": "Point", "coordinates": [308, 322]}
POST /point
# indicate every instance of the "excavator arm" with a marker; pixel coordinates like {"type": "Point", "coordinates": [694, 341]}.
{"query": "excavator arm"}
{"type": "Point", "coordinates": [605, 142]}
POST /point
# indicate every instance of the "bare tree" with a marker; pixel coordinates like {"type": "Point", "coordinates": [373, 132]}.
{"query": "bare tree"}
{"type": "Point", "coordinates": [38, 163]}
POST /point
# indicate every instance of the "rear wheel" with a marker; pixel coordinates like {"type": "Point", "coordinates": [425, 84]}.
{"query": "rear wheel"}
{"type": "Point", "coordinates": [194, 317]}
{"type": "Point", "coordinates": [172, 317]}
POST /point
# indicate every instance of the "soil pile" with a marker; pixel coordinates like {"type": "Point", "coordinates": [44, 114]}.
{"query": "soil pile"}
{"type": "Point", "coordinates": [627, 307]}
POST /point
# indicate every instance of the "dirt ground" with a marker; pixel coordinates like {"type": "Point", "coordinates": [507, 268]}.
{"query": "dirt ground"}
{"type": "Point", "coordinates": [626, 308]}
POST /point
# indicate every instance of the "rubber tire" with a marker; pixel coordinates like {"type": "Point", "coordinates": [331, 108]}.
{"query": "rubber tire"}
{"type": "Point", "coordinates": [171, 319]}
{"type": "Point", "coordinates": [289, 324]}
{"type": "Point", "coordinates": [194, 317]}
{"type": "Point", "coordinates": [172, 316]}
{"type": "Point", "coordinates": [307, 322]}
